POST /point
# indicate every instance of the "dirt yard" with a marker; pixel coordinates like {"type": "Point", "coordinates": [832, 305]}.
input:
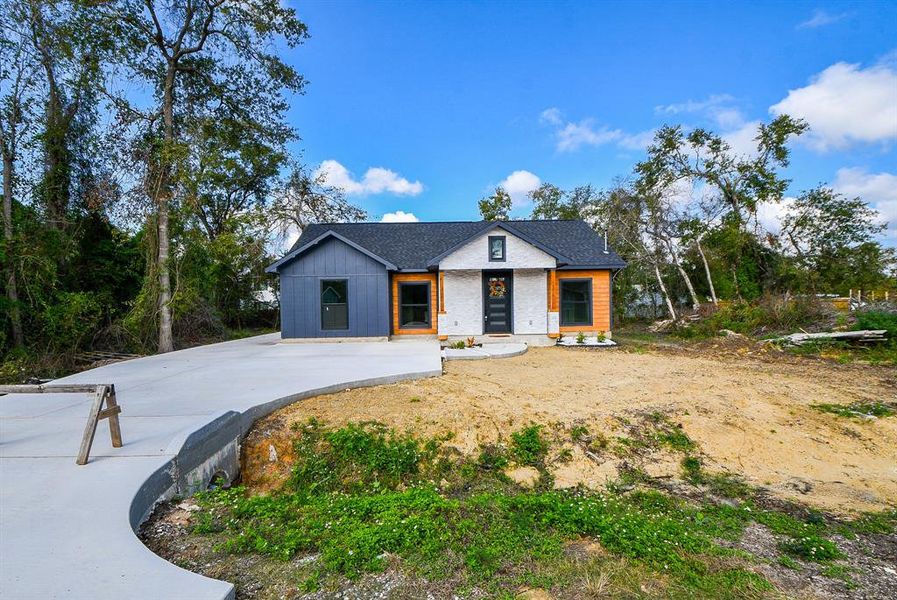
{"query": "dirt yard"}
{"type": "Point", "coordinates": [748, 412]}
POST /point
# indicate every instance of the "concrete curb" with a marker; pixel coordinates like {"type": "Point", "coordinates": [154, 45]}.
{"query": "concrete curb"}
{"type": "Point", "coordinates": [485, 351]}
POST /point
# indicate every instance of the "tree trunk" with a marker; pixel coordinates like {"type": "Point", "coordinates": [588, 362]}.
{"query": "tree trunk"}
{"type": "Point", "coordinates": [663, 290]}
{"type": "Point", "coordinates": [707, 273]}
{"type": "Point", "coordinates": [166, 343]}
{"type": "Point", "coordinates": [12, 294]}
{"type": "Point", "coordinates": [695, 303]}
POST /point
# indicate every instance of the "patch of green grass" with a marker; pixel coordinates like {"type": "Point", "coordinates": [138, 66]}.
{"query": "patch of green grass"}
{"type": "Point", "coordinates": [789, 563]}
{"type": "Point", "coordinates": [361, 493]}
{"type": "Point", "coordinates": [492, 458]}
{"type": "Point", "coordinates": [579, 432]}
{"type": "Point", "coordinates": [528, 447]}
{"type": "Point", "coordinates": [675, 439]}
{"type": "Point", "coordinates": [841, 572]}
{"type": "Point", "coordinates": [812, 548]}
{"type": "Point", "coordinates": [858, 409]}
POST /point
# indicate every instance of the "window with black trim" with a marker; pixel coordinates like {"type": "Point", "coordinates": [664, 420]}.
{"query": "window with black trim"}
{"type": "Point", "coordinates": [334, 304]}
{"type": "Point", "coordinates": [414, 305]}
{"type": "Point", "coordinates": [496, 248]}
{"type": "Point", "coordinates": [576, 301]}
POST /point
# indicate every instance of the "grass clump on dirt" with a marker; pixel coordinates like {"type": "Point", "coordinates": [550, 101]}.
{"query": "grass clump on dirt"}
{"type": "Point", "coordinates": [528, 446]}
{"type": "Point", "coordinates": [364, 498]}
{"type": "Point", "coordinates": [858, 409]}
{"type": "Point", "coordinates": [362, 495]}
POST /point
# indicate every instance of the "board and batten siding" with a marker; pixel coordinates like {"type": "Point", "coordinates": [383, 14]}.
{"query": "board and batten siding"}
{"type": "Point", "coordinates": [300, 292]}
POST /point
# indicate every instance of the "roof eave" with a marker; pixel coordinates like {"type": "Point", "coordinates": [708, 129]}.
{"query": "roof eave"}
{"type": "Point", "coordinates": [434, 262]}
{"type": "Point", "coordinates": [274, 267]}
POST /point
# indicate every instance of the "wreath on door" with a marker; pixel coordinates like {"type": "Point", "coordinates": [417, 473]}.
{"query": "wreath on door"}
{"type": "Point", "coordinates": [497, 288]}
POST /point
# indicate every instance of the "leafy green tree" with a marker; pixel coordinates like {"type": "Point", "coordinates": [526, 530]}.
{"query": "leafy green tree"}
{"type": "Point", "coordinates": [17, 81]}
{"type": "Point", "coordinates": [303, 198]}
{"type": "Point", "coordinates": [496, 207]}
{"type": "Point", "coordinates": [834, 239]}
{"type": "Point", "coordinates": [551, 202]}
{"type": "Point", "coordinates": [738, 182]}
{"type": "Point", "coordinates": [223, 52]}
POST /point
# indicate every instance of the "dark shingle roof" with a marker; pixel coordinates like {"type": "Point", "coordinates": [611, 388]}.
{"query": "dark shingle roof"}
{"type": "Point", "coordinates": [413, 246]}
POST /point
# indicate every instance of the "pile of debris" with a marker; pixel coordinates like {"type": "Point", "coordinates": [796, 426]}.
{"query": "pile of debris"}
{"type": "Point", "coordinates": [865, 336]}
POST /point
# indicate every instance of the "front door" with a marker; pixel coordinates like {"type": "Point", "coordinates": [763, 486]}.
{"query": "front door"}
{"type": "Point", "coordinates": [497, 301]}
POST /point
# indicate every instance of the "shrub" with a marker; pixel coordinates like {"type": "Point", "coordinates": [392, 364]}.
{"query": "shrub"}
{"type": "Point", "coordinates": [580, 338]}
{"type": "Point", "coordinates": [528, 447]}
{"type": "Point", "coordinates": [492, 458]}
{"type": "Point", "coordinates": [878, 319]}
{"type": "Point", "coordinates": [72, 319]}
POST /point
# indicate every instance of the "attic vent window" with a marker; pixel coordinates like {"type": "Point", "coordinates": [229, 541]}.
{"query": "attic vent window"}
{"type": "Point", "coordinates": [496, 248]}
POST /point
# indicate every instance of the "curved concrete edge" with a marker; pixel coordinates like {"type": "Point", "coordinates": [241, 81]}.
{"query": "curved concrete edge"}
{"type": "Point", "coordinates": [485, 351]}
{"type": "Point", "coordinates": [214, 448]}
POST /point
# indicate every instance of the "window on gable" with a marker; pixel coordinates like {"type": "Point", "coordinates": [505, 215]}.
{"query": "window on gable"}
{"type": "Point", "coordinates": [334, 304]}
{"type": "Point", "coordinates": [496, 248]}
{"type": "Point", "coordinates": [576, 301]}
{"type": "Point", "coordinates": [414, 305]}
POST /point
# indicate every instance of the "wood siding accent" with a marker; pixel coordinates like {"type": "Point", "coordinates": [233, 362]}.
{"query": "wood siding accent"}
{"type": "Point", "coordinates": [399, 277]}
{"type": "Point", "coordinates": [553, 291]}
{"type": "Point", "coordinates": [441, 293]}
{"type": "Point", "coordinates": [600, 299]}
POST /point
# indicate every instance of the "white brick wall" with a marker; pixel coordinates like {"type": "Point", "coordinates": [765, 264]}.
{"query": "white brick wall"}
{"type": "Point", "coordinates": [463, 303]}
{"type": "Point", "coordinates": [530, 301]}
{"type": "Point", "coordinates": [518, 253]}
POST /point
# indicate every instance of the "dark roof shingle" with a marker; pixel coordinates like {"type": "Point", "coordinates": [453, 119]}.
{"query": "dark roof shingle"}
{"type": "Point", "coordinates": [411, 246]}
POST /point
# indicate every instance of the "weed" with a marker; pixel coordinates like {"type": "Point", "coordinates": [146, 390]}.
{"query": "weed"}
{"type": "Point", "coordinates": [492, 458]}
{"type": "Point", "coordinates": [414, 399]}
{"type": "Point", "coordinates": [858, 409]}
{"type": "Point", "coordinates": [812, 548]}
{"type": "Point", "coordinates": [789, 563]}
{"type": "Point", "coordinates": [528, 447]}
{"type": "Point", "coordinates": [579, 432]}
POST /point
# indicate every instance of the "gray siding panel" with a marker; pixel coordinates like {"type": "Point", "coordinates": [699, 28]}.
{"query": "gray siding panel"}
{"type": "Point", "coordinates": [300, 298]}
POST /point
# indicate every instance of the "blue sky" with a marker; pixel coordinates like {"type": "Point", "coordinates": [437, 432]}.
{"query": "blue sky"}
{"type": "Point", "coordinates": [445, 100]}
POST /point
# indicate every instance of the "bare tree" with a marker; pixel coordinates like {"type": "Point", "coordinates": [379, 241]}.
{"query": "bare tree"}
{"type": "Point", "coordinates": [305, 197]}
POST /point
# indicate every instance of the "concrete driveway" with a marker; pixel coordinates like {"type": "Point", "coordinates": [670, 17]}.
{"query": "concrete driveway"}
{"type": "Point", "coordinates": [67, 531]}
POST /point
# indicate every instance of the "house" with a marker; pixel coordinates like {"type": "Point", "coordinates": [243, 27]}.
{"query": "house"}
{"type": "Point", "coordinates": [527, 280]}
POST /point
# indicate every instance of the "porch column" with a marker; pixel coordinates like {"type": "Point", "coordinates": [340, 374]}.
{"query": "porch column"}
{"type": "Point", "coordinates": [554, 317]}
{"type": "Point", "coordinates": [441, 317]}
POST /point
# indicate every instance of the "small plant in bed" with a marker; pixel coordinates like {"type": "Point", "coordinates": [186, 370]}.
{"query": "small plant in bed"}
{"type": "Point", "coordinates": [580, 338]}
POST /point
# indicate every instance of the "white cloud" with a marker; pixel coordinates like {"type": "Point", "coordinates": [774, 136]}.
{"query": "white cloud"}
{"type": "Point", "coordinates": [743, 139]}
{"type": "Point", "coordinates": [878, 189]}
{"type": "Point", "coordinates": [718, 107]}
{"type": "Point", "coordinates": [552, 116]}
{"type": "Point", "coordinates": [846, 104]}
{"type": "Point", "coordinates": [821, 18]}
{"type": "Point", "coordinates": [518, 185]}
{"type": "Point", "coordinates": [376, 180]}
{"type": "Point", "coordinates": [399, 216]}
{"type": "Point", "coordinates": [571, 136]}
{"type": "Point", "coordinates": [770, 214]}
